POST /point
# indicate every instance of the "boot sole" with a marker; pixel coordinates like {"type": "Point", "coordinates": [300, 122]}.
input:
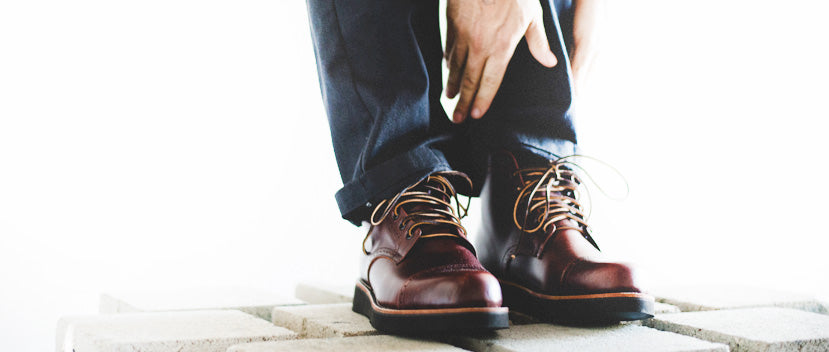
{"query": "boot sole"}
{"type": "Point", "coordinates": [419, 321]}
{"type": "Point", "coordinates": [592, 309]}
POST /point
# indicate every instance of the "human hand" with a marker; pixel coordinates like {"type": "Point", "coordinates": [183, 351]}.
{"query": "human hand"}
{"type": "Point", "coordinates": [587, 33]}
{"type": "Point", "coordinates": [481, 37]}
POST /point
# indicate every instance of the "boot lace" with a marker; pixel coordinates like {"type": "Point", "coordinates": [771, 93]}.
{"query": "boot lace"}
{"type": "Point", "coordinates": [548, 196]}
{"type": "Point", "coordinates": [427, 202]}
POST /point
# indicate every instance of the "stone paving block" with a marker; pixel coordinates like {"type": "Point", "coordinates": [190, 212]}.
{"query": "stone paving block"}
{"type": "Point", "coordinates": [63, 328]}
{"type": "Point", "coordinates": [381, 343]}
{"type": "Point", "coordinates": [714, 297]}
{"type": "Point", "coordinates": [165, 331]}
{"type": "Point", "coordinates": [752, 329]}
{"type": "Point", "coordinates": [664, 308]}
{"type": "Point", "coordinates": [317, 293]}
{"type": "Point", "coordinates": [256, 302]}
{"type": "Point", "coordinates": [546, 337]}
{"type": "Point", "coordinates": [324, 320]}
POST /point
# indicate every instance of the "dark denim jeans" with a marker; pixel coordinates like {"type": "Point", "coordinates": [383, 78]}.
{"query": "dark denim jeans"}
{"type": "Point", "coordinates": [379, 64]}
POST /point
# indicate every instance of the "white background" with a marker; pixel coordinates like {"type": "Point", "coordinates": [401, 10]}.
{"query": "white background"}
{"type": "Point", "coordinates": [179, 143]}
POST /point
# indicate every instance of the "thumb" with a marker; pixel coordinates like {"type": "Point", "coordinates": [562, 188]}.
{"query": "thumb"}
{"type": "Point", "coordinates": [539, 46]}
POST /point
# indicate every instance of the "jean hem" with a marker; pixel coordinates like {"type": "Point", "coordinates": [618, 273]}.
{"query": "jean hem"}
{"type": "Point", "coordinates": [357, 197]}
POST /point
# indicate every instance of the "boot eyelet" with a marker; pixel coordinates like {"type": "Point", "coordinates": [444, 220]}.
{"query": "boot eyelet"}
{"type": "Point", "coordinates": [394, 216]}
{"type": "Point", "coordinates": [402, 226]}
{"type": "Point", "coordinates": [408, 236]}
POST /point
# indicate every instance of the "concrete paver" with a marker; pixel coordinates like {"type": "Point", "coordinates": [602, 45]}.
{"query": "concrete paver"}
{"type": "Point", "coordinates": [546, 337]}
{"type": "Point", "coordinates": [318, 293]}
{"type": "Point", "coordinates": [165, 331]}
{"type": "Point", "coordinates": [665, 308]}
{"type": "Point", "coordinates": [381, 343]}
{"type": "Point", "coordinates": [713, 297]}
{"type": "Point", "coordinates": [692, 318]}
{"type": "Point", "coordinates": [752, 329]}
{"type": "Point", "coordinates": [253, 301]}
{"type": "Point", "coordinates": [323, 320]}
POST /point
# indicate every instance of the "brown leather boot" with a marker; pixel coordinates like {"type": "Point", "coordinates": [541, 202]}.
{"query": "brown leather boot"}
{"type": "Point", "coordinates": [419, 273]}
{"type": "Point", "coordinates": [535, 240]}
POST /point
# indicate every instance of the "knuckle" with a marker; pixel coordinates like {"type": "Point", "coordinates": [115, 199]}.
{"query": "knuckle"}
{"type": "Point", "coordinates": [460, 27]}
{"type": "Point", "coordinates": [469, 82]}
{"type": "Point", "coordinates": [503, 39]}
{"type": "Point", "coordinates": [489, 81]}
{"type": "Point", "coordinates": [477, 42]}
{"type": "Point", "coordinates": [526, 17]}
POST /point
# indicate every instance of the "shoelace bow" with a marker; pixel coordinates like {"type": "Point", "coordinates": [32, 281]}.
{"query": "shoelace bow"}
{"type": "Point", "coordinates": [549, 195]}
{"type": "Point", "coordinates": [435, 194]}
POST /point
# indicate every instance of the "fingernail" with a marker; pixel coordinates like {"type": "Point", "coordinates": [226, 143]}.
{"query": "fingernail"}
{"type": "Point", "coordinates": [476, 113]}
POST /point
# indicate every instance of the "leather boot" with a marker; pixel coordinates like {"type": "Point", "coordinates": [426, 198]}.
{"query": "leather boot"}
{"type": "Point", "coordinates": [536, 242]}
{"type": "Point", "coordinates": [419, 273]}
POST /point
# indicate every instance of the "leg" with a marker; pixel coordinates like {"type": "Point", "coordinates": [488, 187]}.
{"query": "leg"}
{"type": "Point", "coordinates": [535, 238]}
{"type": "Point", "coordinates": [379, 65]}
{"type": "Point", "coordinates": [531, 112]}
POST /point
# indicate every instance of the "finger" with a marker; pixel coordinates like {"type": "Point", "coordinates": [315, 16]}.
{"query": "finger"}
{"type": "Point", "coordinates": [450, 43]}
{"type": "Point", "coordinates": [493, 74]}
{"type": "Point", "coordinates": [469, 86]}
{"type": "Point", "coordinates": [456, 61]}
{"type": "Point", "coordinates": [539, 46]}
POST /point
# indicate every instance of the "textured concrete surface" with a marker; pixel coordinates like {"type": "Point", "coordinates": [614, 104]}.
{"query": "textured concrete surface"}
{"type": "Point", "coordinates": [63, 328]}
{"type": "Point", "coordinates": [714, 297]}
{"type": "Point", "coordinates": [381, 343]}
{"type": "Point", "coordinates": [545, 337]}
{"type": "Point", "coordinates": [325, 320]}
{"type": "Point", "coordinates": [664, 308]}
{"type": "Point", "coordinates": [318, 293]}
{"type": "Point", "coordinates": [209, 320]}
{"type": "Point", "coordinates": [165, 331]}
{"type": "Point", "coordinates": [256, 302]}
{"type": "Point", "coordinates": [752, 329]}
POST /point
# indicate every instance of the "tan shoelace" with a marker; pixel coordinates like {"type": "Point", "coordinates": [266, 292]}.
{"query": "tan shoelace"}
{"type": "Point", "coordinates": [550, 195]}
{"type": "Point", "coordinates": [434, 194]}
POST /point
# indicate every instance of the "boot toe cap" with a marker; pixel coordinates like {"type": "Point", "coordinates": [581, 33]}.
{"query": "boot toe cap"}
{"type": "Point", "coordinates": [601, 277]}
{"type": "Point", "coordinates": [451, 290]}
